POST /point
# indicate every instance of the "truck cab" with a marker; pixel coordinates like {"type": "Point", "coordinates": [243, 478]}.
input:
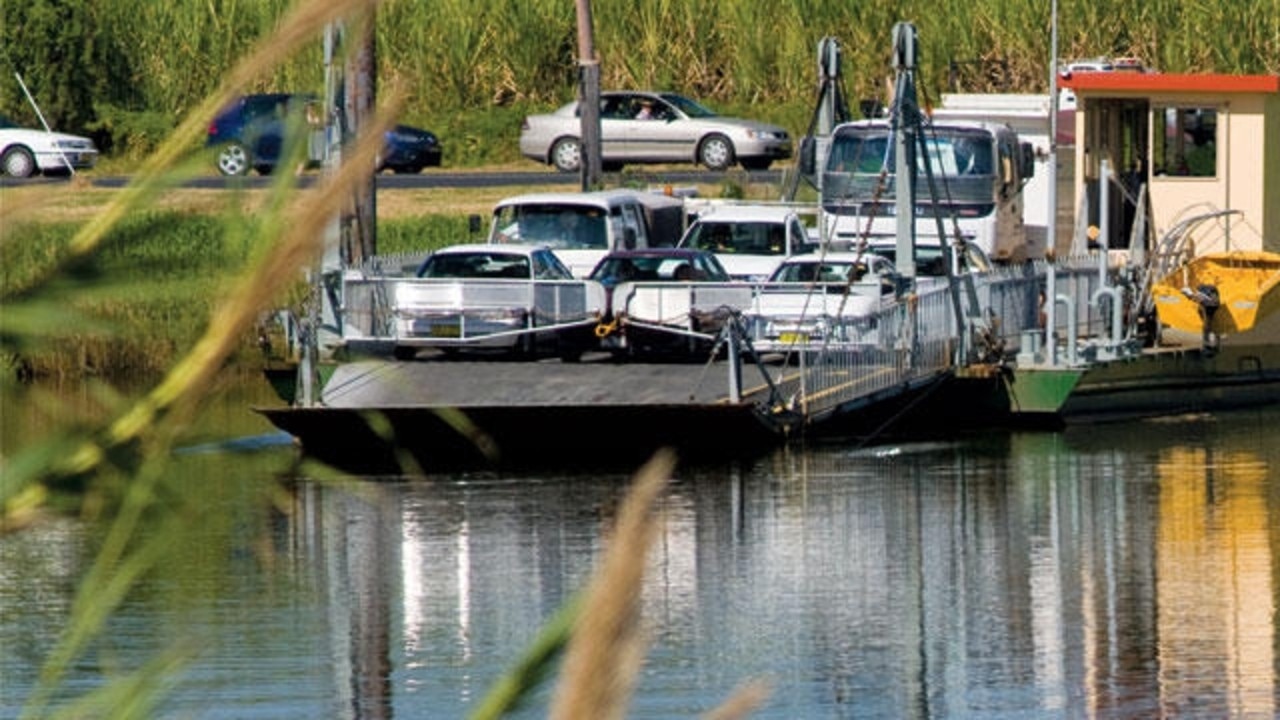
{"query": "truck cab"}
{"type": "Point", "coordinates": [979, 169]}
{"type": "Point", "coordinates": [581, 227]}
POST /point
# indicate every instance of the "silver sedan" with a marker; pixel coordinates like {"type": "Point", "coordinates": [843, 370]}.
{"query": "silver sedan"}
{"type": "Point", "coordinates": [654, 127]}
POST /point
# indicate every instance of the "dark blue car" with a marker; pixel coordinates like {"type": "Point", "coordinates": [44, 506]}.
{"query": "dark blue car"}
{"type": "Point", "coordinates": [250, 135]}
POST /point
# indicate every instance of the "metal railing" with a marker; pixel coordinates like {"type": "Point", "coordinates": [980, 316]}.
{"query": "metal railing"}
{"type": "Point", "coordinates": [1041, 312]}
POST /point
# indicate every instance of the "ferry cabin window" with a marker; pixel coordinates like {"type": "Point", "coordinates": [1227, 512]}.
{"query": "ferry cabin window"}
{"type": "Point", "coordinates": [1184, 142]}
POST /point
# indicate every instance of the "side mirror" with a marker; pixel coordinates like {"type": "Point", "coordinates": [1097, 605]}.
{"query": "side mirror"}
{"type": "Point", "coordinates": [808, 158]}
{"type": "Point", "coordinates": [629, 238]}
{"type": "Point", "coordinates": [473, 224]}
{"type": "Point", "coordinates": [1027, 161]}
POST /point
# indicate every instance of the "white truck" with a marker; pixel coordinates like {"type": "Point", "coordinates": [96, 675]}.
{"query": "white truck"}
{"type": "Point", "coordinates": [750, 239]}
{"type": "Point", "coordinates": [979, 170]}
{"type": "Point", "coordinates": [581, 227]}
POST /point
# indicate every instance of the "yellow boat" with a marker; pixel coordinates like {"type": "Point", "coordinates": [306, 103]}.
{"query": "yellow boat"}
{"type": "Point", "coordinates": [1236, 290]}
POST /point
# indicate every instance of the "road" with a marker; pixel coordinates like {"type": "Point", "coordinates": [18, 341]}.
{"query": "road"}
{"type": "Point", "coordinates": [433, 178]}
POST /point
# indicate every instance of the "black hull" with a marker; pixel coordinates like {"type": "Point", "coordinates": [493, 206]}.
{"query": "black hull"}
{"type": "Point", "coordinates": [393, 440]}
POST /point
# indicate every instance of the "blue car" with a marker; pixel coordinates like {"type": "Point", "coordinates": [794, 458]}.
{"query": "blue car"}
{"type": "Point", "coordinates": [249, 135]}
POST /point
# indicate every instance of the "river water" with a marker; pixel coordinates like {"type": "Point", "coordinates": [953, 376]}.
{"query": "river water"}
{"type": "Point", "coordinates": [1123, 570]}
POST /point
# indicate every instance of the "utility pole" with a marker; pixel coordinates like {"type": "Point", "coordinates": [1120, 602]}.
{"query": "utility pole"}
{"type": "Point", "coordinates": [359, 93]}
{"type": "Point", "coordinates": [588, 99]}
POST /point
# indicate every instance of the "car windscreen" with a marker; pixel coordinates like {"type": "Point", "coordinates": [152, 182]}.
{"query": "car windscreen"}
{"type": "Point", "coordinates": [747, 238]}
{"type": "Point", "coordinates": [687, 106]}
{"type": "Point", "coordinates": [475, 265]}
{"type": "Point", "coordinates": [564, 227]}
{"type": "Point", "coordinates": [822, 272]}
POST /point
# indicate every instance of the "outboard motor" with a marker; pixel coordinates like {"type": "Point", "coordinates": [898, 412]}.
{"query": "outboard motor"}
{"type": "Point", "coordinates": [1207, 297]}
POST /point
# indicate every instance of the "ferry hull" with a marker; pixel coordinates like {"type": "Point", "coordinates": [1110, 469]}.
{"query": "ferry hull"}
{"type": "Point", "coordinates": [1162, 381]}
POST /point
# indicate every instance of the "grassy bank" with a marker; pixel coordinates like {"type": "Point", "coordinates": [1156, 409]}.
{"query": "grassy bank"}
{"type": "Point", "coordinates": [140, 303]}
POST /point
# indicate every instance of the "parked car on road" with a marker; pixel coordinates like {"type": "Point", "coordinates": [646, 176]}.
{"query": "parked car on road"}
{"type": "Point", "coordinates": [482, 296]}
{"type": "Point", "coordinates": [654, 127]}
{"type": "Point", "coordinates": [26, 151]}
{"type": "Point", "coordinates": [249, 134]}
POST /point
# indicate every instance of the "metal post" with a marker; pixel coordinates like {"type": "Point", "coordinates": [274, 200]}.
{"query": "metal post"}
{"type": "Point", "coordinates": [1052, 230]}
{"type": "Point", "coordinates": [735, 362]}
{"type": "Point", "coordinates": [905, 109]}
{"type": "Point", "coordinates": [1104, 224]}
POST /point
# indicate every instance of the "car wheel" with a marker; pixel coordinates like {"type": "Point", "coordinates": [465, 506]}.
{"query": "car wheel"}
{"type": "Point", "coordinates": [716, 152]}
{"type": "Point", "coordinates": [569, 351]}
{"type": "Point", "coordinates": [566, 154]}
{"type": "Point", "coordinates": [18, 162]}
{"type": "Point", "coordinates": [233, 159]}
{"type": "Point", "coordinates": [756, 163]}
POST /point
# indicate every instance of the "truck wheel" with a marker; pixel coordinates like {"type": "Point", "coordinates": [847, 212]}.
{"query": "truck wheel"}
{"type": "Point", "coordinates": [566, 154]}
{"type": "Point", "coordinates": [404, 352]}
{"type": "Point", "coordinates": [716, 152]}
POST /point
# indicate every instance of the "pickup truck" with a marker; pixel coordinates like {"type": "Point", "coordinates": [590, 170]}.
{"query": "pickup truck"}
{"type": "Point", "coordinates": [750, 240]}
{"type": "Point", "coordinates": [581, 227]}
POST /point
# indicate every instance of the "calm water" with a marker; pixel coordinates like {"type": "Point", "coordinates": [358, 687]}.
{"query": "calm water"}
{"type": "Point", "coordinates": [1114, 571]}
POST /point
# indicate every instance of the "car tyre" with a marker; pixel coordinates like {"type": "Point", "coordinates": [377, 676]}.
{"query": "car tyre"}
{"type": "Point", "coordinates": [18, 162]}
{"type": "Point", "coordinates": [566, 154]}
{"type": "Point", "coordinates": [716, 152]}
{"type": "Point", "coordinates": [233, 159]}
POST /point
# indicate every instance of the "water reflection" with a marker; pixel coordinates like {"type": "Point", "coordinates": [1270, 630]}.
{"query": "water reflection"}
{"type": "Point", "coordinates": [1113, 571]}
{"type": "Point", "coordinates": [1080, 573]}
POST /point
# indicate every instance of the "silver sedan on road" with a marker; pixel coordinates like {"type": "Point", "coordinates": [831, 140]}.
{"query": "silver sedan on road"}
{"type": "Point", "coordinates": [654, 127]}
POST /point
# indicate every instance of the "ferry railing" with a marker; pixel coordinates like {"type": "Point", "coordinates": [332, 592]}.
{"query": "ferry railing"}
{"type": "Point", "coordinates": [912, 341]}
{"type": "Point", "coordinates": [384, 308]}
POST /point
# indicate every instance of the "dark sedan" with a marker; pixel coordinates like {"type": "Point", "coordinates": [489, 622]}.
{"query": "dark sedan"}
{"type": "Point", "coordinates": [249, 134]}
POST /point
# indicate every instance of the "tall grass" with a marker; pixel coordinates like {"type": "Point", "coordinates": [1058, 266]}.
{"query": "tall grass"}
{"type": "Point", "coordinates": [471, 69]}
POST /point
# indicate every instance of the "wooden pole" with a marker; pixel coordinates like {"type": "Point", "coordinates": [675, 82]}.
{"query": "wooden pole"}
{"type": "Point", "coordinates": [588, 99]}
{"type": "Point", "coordinates": [359, 230]}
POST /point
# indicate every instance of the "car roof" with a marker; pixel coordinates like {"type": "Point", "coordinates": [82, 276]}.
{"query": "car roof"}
{"type": "Point", "coordinates": [490, 248]}
{"type": "Point", "coordinates": [659, 252]}
{"type": "Point", "coordinates": [746, 213]}
{"type": "Point", "coordinates": [599, 198]}
{"type": "Point", "coordinates": [832, 257]}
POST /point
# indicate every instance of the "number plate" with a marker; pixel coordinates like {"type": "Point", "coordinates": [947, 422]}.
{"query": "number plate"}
{"type": "Point", "coordinates": [446, 331]}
